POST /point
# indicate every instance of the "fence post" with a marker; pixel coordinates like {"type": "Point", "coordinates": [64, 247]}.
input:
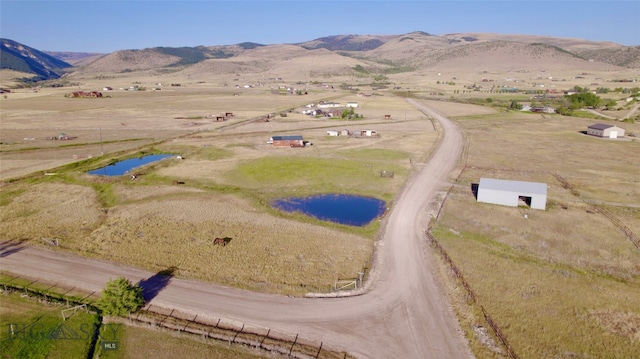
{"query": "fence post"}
{"type": "Point", "coordinates": [319, 349]}
{"type": "Point", "coordinates": [265, 337]}
{"type": "Point", "coordinates": [238, 333]}
{"type": "Point", "coordinates": [294, 343]}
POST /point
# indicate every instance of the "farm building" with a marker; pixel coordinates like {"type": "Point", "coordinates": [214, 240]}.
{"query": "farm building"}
{"type": "Point", "coordinates": [86, 94]}
{"type": "Point", "coordinates": [287, 141]}
{"type": "Point", "coordinates": [323, 104]}
{"type": "Point", "coordinates": [352, 104]}
{"type": "Point", "coordinates": [365, 133]}
{"type": "Point", "coordinates": [333, 133]}
{"type": "Point", "coordinates": [543, 109]}
{"type": "Point", "coordinates": [604, 130]}
{"type": "Point", "coordinates": [510, 193]}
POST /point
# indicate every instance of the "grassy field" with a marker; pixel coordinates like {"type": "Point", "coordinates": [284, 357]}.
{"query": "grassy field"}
{"type": "Point", "coordinates": [561, 283]}
{"type": "Point", "coordinates": [139, 342]}
{"type": "Point", "coordinates": [40, 332]}
{"type": "Point", "coordinates": [564, 282]}
{"type": "Point", "coordinates": [230, 176]}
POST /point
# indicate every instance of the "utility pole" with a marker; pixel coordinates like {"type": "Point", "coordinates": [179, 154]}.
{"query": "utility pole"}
{"type": "Point", "coordinates": [101, 148]}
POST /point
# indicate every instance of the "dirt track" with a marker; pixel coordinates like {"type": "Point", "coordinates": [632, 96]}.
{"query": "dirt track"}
{"type": "Point", "coordinates": [404, 314]}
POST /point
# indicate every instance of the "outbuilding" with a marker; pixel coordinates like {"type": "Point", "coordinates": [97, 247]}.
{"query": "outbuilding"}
{"type": "Point", "coordinates": [513, 193]}
{"type": "Point", "coordinates": [605, 130]}
{"type": "Point", "coordinates": [287, 141]}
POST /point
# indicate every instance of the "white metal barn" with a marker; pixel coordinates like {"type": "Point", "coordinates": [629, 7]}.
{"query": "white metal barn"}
{"type": "Point", "coordinates": [605, 130]}
{"type": "Point", "coordinates": [510, 193]}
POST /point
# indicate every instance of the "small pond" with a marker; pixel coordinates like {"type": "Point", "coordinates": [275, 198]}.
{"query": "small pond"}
{"type": "Point", "coordinates": [339, 208]}
{"type": "Point", "coordinates": [123, 167]}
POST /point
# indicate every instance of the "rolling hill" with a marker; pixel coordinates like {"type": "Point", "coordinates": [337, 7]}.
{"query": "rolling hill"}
{"type": "Point", "coordinates": [341, 55]}
{"type": "Point", "coordinates": [18, 57]}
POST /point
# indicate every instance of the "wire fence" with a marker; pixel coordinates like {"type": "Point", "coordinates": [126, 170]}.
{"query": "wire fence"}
{"type": "Point", "coordinates": [471, 295]}
{"type": "Point", "coordinates": [234, 332]}
{"type": "Point", "coordinates": [601, 210]}
{"type": "Point", "coordinates": [229, 331]}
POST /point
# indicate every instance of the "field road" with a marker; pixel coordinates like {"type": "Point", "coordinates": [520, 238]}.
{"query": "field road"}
{"type": "Point", "coordinates": [403, 314]}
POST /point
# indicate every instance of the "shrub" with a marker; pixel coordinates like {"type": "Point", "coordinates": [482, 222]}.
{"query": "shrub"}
{"type": "Point", "coordinates": [120, 297]}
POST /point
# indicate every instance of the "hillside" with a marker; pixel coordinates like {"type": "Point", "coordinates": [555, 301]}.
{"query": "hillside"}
{"type": "Point", "coordinates": [73, 58]}
{"type": "Point", "coordinates": [342, 55]}
{"type": "Point", "coordinates": [18, 57]}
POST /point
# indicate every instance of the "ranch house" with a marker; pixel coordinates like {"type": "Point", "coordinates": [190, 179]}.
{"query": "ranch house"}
{"type": "Point", "coordinates": [287, 141]}
{"type": "Point", "coordinates": [604, 130]}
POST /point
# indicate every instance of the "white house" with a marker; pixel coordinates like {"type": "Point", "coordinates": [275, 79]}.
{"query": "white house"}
{"type": "Point", "coordinates": [352, 104]}
{"type": "Point", "coordinates": [329, 104]}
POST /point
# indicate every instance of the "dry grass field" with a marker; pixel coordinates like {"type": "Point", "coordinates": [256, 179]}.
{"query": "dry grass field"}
{"type": "Point", "coordinates": [562, 282]}
{"type": "Point", "coordinates": [230, 174]}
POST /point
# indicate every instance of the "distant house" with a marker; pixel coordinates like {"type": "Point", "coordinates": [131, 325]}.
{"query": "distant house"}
{"type": "Point", "coordinates": [352, 104]}
{"type": "Point", "coordinates": [543, 109]}
{"type": "Point", "coordinates": [365, 133]}
{"type": "Point", "coordinates": [287, 141]}
{"type": "Point", "coordinates": [86, 94]}
{"type": "Point", "coordinates": [333, 133]}
{"type": "Point", "coordinates": [334, 113]}
{"type": "Point", "coordinates": [605, 130]}
{"type": "Point", "coordinates": [313, 112]}
{"type": "Point", "coordinates": [329, 104]}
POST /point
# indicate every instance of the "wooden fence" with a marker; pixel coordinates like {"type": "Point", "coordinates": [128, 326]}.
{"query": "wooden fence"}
{"type": "Point", "coordinates": [232, 332]}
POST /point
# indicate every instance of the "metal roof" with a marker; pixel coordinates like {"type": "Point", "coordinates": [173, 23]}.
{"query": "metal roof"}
{"type": "Point", "coordinates": [286, 138]}
{"type": "Point", "coordinates": [513, 186]}
{"type": "Point", "coordinates": [600, 126]}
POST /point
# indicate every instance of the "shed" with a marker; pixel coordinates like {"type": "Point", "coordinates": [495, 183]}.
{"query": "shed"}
{"type": "Point", "coordinates": [605, 130]}
{"type": "Point", "coordinates": [287, 141]}
{"type": "Point", "coordinates": [333, 133]}
{"type": "Point", "coordinates": [510, 193]}
{"type": "Point", "coordinates": [352, 104]}
{"type": "Point", "coordinates": [366, 133]}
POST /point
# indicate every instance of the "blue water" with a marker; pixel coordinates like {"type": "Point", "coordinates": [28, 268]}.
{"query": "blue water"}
{"type": "Point", "coordinates": [123, 167]}
{"type": "Point", "coordinates": [339, 208]}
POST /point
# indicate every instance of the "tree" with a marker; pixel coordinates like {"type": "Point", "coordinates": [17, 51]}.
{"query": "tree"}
{"type": "Point", "coordinates": [120, 297]}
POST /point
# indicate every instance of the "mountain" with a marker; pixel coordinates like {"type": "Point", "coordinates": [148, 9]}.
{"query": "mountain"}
{"type": "Point", "coordinates": [22, 58]}
{"type": "Point", "coordinates": [73, 58]}
{"type": "Point", "coordinates": [373, 56]}
{"type": "Point", "coordinates": [346, 43]}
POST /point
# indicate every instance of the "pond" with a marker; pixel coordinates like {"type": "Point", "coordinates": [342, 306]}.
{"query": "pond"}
{"type": "Point", "coordinates": [339, 208]}
{"type": "Point", "coordinates": [123, 167]}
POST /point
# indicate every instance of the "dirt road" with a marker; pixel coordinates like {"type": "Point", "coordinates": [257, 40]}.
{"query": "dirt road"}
{"type": "Point", "coordinates": [403, 314]}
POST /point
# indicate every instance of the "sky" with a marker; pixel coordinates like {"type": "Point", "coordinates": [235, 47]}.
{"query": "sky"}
{"type": "Point", "coordinates": [106, 25]}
